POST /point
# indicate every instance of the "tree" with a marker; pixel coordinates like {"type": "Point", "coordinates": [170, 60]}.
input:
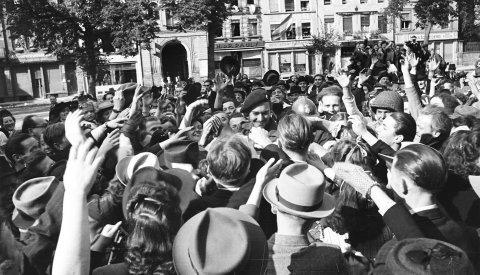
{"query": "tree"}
{"type": "Point", "coordinates": [468, 28]}
{"type": "Point", "coordinates": [394, 11]}
{"type": "Point", "coordinates": [84, 29]}
{"type": "Point", "coordinates": [433, 12]}
{"type": "Point", "coordinates": [327, 43]}
{"type": "Point", "coordinates": [204, 15]}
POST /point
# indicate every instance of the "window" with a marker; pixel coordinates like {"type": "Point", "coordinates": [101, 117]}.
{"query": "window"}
{"type": "Point", "coordinates": [365, 22]}
{"type": "Point", "coordinates": [219, 32]}
{"type": "Point", "coordinates": [327, 2]}
{"type": "Point", "coordinates": [289, 5]}
{"type": "Point", "coordinates": [250, 2]}
{"type": "Point", "coordinates": [273, 5]}
{"type": "Point", "coordinates": [406, 21]}
{"type": "Point", "coordinates": [169, 18]}
{"type": "Point", "coordinates": [347, 25]}
{"type": "Point", "coordinates": [300, 62]}
{"type": "Point", "coordinates": [306, 30]}
{"type": "Point", "coordinates": [305, 5]}
{"type": "Point", "coordinates": [363, 1]}
{"type": "Point", "coordinates": [285, 62]}
{"type": "Point", "coordinates": [329, 22]}
{"type": "Point", "coordinates": [344, 2]}
{"type": "Point", "coordinates": [252, 27]}
{"type": "Point", "coordinates": [382, 24]}
{"type": "Point", "coordinates": [117, 74]}
{"type": "Point", "coordinates": [235, 3]}
{"type": "Point", "coordinates": [272, 61]}
{"type": "Point", "coordinates": [380, 1]}
{"type": "Point", "coordinates": [235, 27]}
{"type": "Point", "coordinates": [291, 33]}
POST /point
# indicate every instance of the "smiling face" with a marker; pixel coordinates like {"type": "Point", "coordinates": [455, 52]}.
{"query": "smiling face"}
{"type": "Point", "coordinates": [9, 123]}
{"type": "Point", "coordinates": [260, 116]}
{"type": "Point", "coordinates": [277, 96]}
{"type": "Point", "coordinates": [424, 126]}
{"type": "Point", "coordinates": [196, 133]}
{"type": "Point", "coordinates": [386, 131]}
{"type": "Point", "coordinates": [229, 108]}
{"type": "Point", "coordinates": [331, 104]}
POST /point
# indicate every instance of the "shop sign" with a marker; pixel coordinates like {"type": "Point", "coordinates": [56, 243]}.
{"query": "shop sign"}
{"type": "Point", "coordinates": [433, 36]}
{"type": "Point", "coordinates": [239, 44]}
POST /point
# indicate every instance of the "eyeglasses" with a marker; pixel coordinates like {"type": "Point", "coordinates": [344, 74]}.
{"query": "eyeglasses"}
{"type": "Point", "coordinates": [41, 126]}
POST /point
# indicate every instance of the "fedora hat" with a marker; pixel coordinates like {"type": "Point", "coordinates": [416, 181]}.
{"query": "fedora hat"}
{"type": "Point", "coordinates": [181, 180]}
{"type": "Point", "coordinates": [230, 66]}
{"type": "Point", "coordinates": [128, 165]}
{"type": "Point", "coordinates": [103, 106]}
{"type": "Point", "coordinates": [271, 78]}
{"type": "Point", "coordinates": [183, 151]}
{"type": "Point", "coordinates": [300, 191]}
{"type": "Point", "coordinates": [220, 241]}
{"type": "Point", "coordinates": [30, 200]}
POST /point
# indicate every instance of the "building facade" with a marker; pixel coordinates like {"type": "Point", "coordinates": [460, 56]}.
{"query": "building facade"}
{"type": "Point", "coordinates": [26, 72]}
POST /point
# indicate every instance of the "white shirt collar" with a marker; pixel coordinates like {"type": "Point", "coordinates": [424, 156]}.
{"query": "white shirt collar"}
{"type": "Point", "coordinates": [422, 208]}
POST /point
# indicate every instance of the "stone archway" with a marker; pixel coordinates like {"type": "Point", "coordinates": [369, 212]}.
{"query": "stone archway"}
{"type": "Point", "coordinates": [175, 61]}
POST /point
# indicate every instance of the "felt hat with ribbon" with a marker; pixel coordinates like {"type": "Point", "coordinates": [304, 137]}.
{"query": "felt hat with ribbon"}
{"type": "Point", "coordinates": [300, 191]}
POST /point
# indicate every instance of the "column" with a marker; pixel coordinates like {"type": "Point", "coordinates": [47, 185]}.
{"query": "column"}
{"type": "Point", "coordinates": [8, 81]}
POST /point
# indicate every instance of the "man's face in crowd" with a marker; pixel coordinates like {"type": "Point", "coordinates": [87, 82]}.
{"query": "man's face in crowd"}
{"type": "Point", "coordinates": [260, 116]}
{"type": "Point", "coordinates": [424, 126]}
{"type": "Point", "coordinates": [9, 123]}
{"type": "Point", "coordinates": [40, 125]}
{"type": "Point", "coordinates": [224, 118]}
{"type": "Point", "coordinates": [386, 131]}
{"type": "Point", "coordinates": [29, 145]}
{"type": "Point", "coordinates": [239, 97]}
{"type": "Point", "coordinates": [240, 125]}
{"type": "Point", "coordinates": [229, 108]}
{"type": "Point", "coordinates": [152, 126]}
{"type": "Point", "coordinates": [448, 86]}
{"type": "Point", "coordinates": [381, 114]}
{"type": "Point", "coordinates": [294, 78]}
{"type": "Point", "coordinates": [53, 99]}
{"type": "Point", "coordinates": [293, 97]}
{"type": "Point", "coordinates": [303, 86]}
{"type": "Point", "coordinates": [277, 96]}
{"type": "Point", "coordinates": [330, 104]}
{"type": "Point", "coordinates": [207, 85]}
{"type": "Point", "coordinates": [421, 85]}
{"type": "Point", "coordinates": [318, 80]}
{"type": "Point", "coordinates": [384, 81]}
{"type": "Point", "coordinates": [88, 112]}
{"type": "Point", "coordinates": [109, 97]}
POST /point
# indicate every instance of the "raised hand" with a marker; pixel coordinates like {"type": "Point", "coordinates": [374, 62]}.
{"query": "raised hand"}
{"type": "Point", "coordinates": [260, 137]}
{"type": "Point", "coordinates": [82, 167]}
{"type": "Point", "coordinates": [109, 230]}
{"type": "Point", "coordinates": [269, 171]}
{"type": "Point", "coordinates": [432, 65]}
{"type": "Point", "coordinates": [116, 123]}
{"type": "Point", "coordinates": [363, 77]}
{"type": "Point", "coordinates": [73, 130]}
{"type": "Point", "coordinates": [355, 176]}
{"type": "Point", "coordinates": [358, 124]}
{"type": "Point", "coordinates": [343, 79]}
{"type": "Point", "coordinates": [220, 85]}
{"type": "Point", "coordinates": [112, 140]}
{"type": "Point", "coordinates": [118, 100]}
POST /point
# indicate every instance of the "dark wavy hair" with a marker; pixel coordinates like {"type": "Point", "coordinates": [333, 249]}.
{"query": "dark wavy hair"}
{"type": "Point", "coordinates": [353, 212]}
{"type": "Point", "coordinates": [154, 217]}
{"type": "Point", "coordinates": [461, 152]}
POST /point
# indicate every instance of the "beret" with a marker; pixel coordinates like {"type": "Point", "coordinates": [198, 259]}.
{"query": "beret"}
{"type": "Point", "coordinates": [255, 98]}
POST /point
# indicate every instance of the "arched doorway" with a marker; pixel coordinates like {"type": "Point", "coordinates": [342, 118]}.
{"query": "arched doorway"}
{"type": "Point", "coordinates": [174, 61]}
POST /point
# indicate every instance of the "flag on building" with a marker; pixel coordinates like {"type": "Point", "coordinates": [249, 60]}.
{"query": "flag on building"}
{"type": "Point", "coordinates": [282, 28]}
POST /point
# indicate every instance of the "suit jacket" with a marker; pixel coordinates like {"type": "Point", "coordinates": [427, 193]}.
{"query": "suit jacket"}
{"type": "Point", "coordinates": [436, 225]}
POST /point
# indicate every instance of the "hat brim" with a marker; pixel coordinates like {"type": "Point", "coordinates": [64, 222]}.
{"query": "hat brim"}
{"type": "Point", "coordinates": [257, 262]}
{"type": "Point", "coordinates": [22, 221]}
{"type": "Point", "coordinates": [325, 210]}
{"type": "Point", "coordinates": [121, 170]}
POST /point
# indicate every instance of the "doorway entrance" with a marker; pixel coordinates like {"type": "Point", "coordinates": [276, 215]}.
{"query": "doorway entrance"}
{"type": "Point", "coordinates": [174, 61]}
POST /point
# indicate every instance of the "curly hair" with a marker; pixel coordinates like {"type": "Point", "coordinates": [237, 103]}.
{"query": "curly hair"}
{"type": "Point", "coordinates": [461, 152]}
{"type": "Point", "coordinates": [154, 217]}
{"type": "Point", "coordinates": [353, 213]}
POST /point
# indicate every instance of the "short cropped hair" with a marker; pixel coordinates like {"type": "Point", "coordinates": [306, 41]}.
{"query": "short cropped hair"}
{"type": "Point", "coordinates": [14, 146]}
{"type": "Point", "coordinates": [209, 81]}
{"type": "Point", "coordinates": [449, 102]}
{"type": "Point", "coordinates": [405, 125]}
{"type": "Point", "coordinates": [54, 133]}
{"type": "Point", "coordinates": [330, 91]}
{"type": "Point", "coordinates": [295, 133]}
{"type": "Point", "coordinates": [440, 120]}
{"type": "Point", "coordinates": [229, 160]}
{"type": "Point", "coordinates": [28, 123]}
{"type": "Point", "coordinates": [424, 165]}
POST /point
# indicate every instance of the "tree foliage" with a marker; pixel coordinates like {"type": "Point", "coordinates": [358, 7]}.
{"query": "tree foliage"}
{"type": "Point", "coordinates": [395, 8]}
{"type": "Point", "coordinates": [327, 43]}
{"type": "Point", "coordinates": [83, 29]}
{"type": "Point", "coordinates": [434, 12]}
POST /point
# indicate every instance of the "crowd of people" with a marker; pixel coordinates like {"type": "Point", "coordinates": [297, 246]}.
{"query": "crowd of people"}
{"type": "Point", "coordinates": [369, 169]}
